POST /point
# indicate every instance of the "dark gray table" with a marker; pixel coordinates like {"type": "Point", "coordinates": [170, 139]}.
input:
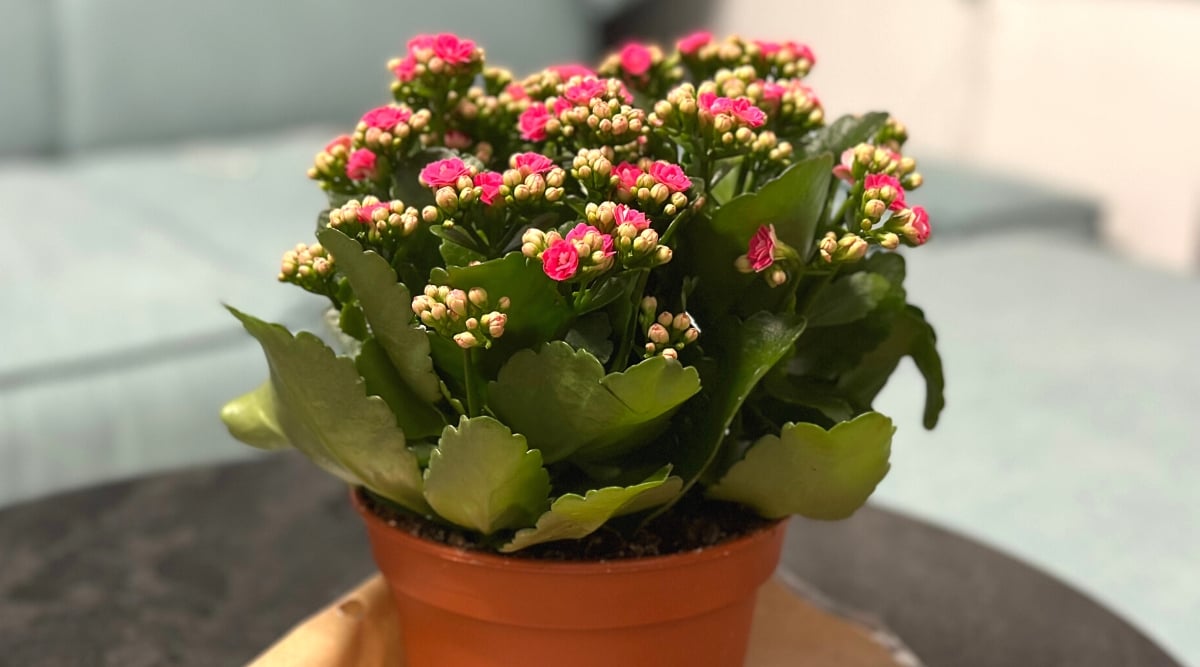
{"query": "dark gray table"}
{"type": "Point", "coordinates": [207, 567]}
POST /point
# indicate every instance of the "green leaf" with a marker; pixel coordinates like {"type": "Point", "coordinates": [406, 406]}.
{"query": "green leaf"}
{"type": "Point", "coordinates": [912, 336]}
{"type": "Point", "coordinates": [483, 477]}
{"type": "Point", "coordinates": [352, 322]}
{"type": "Point", "coordinates": [847, 132]}
{"type": "Point", "coordinates": [593, 333]}
{"type": "Point", "coordinates": [812, 472]}
{"type": "Point", "coordinates": [324, 410]}
{"type": "Point", "coordinates": [573, 516]}
{"type": "Point", "coordinates": [849, 299]}
{"type": "Point", "coordinates": [417, 418]}
{"type": "Point", "coordinates": [749, 351]}
{"type": "Point", "coordinates": [251, 418]}
{"type": "Point", "coordinates": [538, 312]}
{"type": "Point", "coordinates": [455, 254]}
{"type": "Point", "coordinates": [806, 393]}
{"type": "Point", "coordinates": [563, 402]}
{"type": "Point", "coordinates": [387, 306]}
{"type": "Point", "coordinates": [792, 202]}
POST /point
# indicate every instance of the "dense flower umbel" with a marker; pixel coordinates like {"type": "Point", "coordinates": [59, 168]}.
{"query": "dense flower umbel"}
{"type": "Point", "coordinates": [561, 238]}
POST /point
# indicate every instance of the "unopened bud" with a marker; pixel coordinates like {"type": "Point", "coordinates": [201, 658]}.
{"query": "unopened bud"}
{"type": "Point", "coordinates": [466, 340]}
{"type": "Point", "coordinates": [478, 296]}
{"type": "Point", "coordinates": [875, 208]}
{"type": "Point", "coordinates": [658, 334]}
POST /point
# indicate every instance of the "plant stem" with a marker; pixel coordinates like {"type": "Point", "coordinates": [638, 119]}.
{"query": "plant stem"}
{"type": "Point", "coordinates": [470, 382]}
{"type": "Point", "coordinates": [621, 358]}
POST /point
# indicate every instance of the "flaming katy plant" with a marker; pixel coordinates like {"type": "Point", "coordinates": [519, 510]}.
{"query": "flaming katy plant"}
{"type": "Point", "coordinates": [585, 295]}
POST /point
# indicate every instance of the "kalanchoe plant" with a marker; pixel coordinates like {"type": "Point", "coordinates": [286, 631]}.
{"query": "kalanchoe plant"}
{"type": "Point", "coordinates": [587, 294]}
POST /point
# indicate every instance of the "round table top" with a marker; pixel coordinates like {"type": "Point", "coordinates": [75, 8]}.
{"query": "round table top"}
{"type": "Point", "coordinates": [210, 566]}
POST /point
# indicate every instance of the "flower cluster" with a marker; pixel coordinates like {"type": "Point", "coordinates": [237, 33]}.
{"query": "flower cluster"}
{"type": "Point", "coordinates": [466, 316]}
{"type": "Point", "coordinates": [566, 235]}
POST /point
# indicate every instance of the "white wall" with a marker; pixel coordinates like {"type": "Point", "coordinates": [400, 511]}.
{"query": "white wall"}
{"type": "Point", "coordinates": [1101, 97]}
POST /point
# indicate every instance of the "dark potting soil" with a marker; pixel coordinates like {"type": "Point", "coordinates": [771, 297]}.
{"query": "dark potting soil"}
{"type": "Point", "coordinates": [692, 524]}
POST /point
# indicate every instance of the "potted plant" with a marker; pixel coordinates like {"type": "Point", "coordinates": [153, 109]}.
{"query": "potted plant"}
{"type": "Point", "coordinates": [602, 331]}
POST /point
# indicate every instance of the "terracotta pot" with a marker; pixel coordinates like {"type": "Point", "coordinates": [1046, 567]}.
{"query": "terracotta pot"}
{"type": "Point", "coordinates": [467, 609]}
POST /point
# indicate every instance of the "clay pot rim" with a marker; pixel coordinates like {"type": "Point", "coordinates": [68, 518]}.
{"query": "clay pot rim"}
{"type": "Point", "coordinates": [572, 568]}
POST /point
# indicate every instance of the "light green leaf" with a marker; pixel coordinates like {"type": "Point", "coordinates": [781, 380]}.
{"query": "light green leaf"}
{"type": "Point", "coordinates": [561, 400]}
{"type": "Point", "coordinates": [750, 349]}
{"type": "Point", "coordinates": [323, 409]}
{"type": "Point", "coordinates": [485, 478]}
{"type": "Point", "coordinates": [387, 306]}
{"type": "Point", "coordinates": [812, 472]}
{"type": "Point", "coordinates": [573, 516]}
{"type": "Point", "coordinates": [251, 418]}
{"type": "Point", "coordinates": [413, 415]}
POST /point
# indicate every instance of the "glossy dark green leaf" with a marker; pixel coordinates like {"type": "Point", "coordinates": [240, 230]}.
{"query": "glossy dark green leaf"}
{"type": "Point", "coordinates": [912, 336]}
{"type": "Point", "coordinates": [251, 419]}
{"type": "Point", "coordinates": [483, 477]}
{"type": "Point", "coordinates": [792, 202]}
{"type": "Point", "coordinates": [593, 333]}
{"type": "Point", "coordinates": [454, 254]}
{"type": "Point", "coordinates": [561, 399]}
{"type": "Point", "coordinates": [812, 472]}
{"type": "Point", "coordinates": [572, 516]}
{"type": "Point", "coordinates": [322, 407]}
{"type": "Point", "coordinates": [846, 132]}
{"type": "Point", "coordinates": [352, 322]}
{"type": "Point", "coordinates": [387, 306]}
{"type": "Point", "coordinates": [417, 418]}
{"type": "Point", "coordinates": [749, 351]}
{"type": "Point", "coordinates": [848, 299]}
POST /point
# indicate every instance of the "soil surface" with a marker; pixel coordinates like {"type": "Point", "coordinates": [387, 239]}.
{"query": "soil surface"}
{"type": "Point", "coordinates": [692, 524]}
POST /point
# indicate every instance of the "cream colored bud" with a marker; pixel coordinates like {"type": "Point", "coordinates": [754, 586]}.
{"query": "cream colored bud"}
{"type": "Point", "coordinates": [447, 199]}
{"type": "Point", "coordinates": [658, 334]}
{"type": "Point", "coordinates": [472, 323]}
{"type": "Point", "coordinates": [681, 322]}
{"type": "Point", "coordinates": [691, 335]}
{"type": "Point", "coordinates": [466, 340]}
{"type": "Point", "coordinates": [496, 324]}
{"type": "Point", "coordinates": [670, 353]}
{"type": "Point", "coordinates": [504, 303]}
{"type": "Point", "coordinates": [430, 214]}
{"type": "Point", "coordinates": [889, 240]}
{"type": "Point", "coordinates": [478, 296]}
{"type": "Point", "coordinates": [456, 301]}
{"type": "Point", "coordinates": [663, 254]}
{"type": "Point", "coordinates": [776, 276]}
{"type": "Point", "coordinates": [649, 305]}
{"type": "Point", "coordinates": [742, 264]}
{"type": "Point", "coordinates": [875, 208]}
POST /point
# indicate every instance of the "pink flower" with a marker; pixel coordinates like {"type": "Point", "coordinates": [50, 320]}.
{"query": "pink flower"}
{"type": "Point", "coordinates": [761, 252]}
{"type": "Point", "coordinates": [366, 212]}
{"type": "Point", "coordinates": [342, 140]}
{"type": "Point", "coordinates": [443, 172]}
{"type": "Point", "coordinates": [845, 170]}
{"type": "Point", "coordinates": [768, 48]}
{"type": "Point", "coordinates": [801, 51]}
{"type": "Point", "coordinates": [693, 42]}
{"type": "Point", "coordinates": [532, 163]}
{"type": "Point", "coordinates": [532, 122]}
{"type": "Point", "coordinates": [773, 92]}
{"type": "Point", "coordinates": [670, 175]}
{"type": "Point", "coordinates": [386, 117]}
{"type": "Point", "coordinates": [489, 182]}
{"type": "Point", "coordinates": [457, 139]}
{"type": "Point", "coordinates": [561, 104]}
{"type": "Point", "coordinates": [570, 70]}
{"type": "Point", "coordinates": [580, 232]}
{"type": "Point", "coordinates": [452, 49]}
{"type": "Point", "coordinates": [516, 91]}
{"type": "Point", "coordinates": [707, 100]}
{"type": "Point", "coordinates": [406, 69]}
{"type": "Point", "coordinates": [636, 59]}
{"type": "Point", "coordinates": [920, 225]}
{"type": "Point", "coordinates": [361, 165]}
{"type": "Point", "coordinates": [627, 175]}
{"type": "Point", "coordinates": [622, 214]}
{"type": "Point", "coordinates": [745, 111]}
{"type": "Point", "coordinates": [879, 181]}
{"type": "Point", "coordinates": [585, 91]}
{"type": "Point", "coordinates": [561, 260]}
{"type": "Point", "coordinates": [420, 43]}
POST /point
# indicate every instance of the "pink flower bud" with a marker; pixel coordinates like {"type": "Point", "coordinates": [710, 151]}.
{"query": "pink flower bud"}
{"type": "Point", "coordinates": [636, 59]}
{"type": "Point", "coordinates": [406, 69]}
{"type": "Point", "coordinates": [560, 261]}
{"type": "Point", "coordinates": [845, 170]}
{"type": "Point", "coordinates": [694, 42]}
{"type": "Point", "coordinates": [761, 252]}
{"type": "Point", "coordinates": [366, 212]}
{"type": "Point", "coordinates": [341, 141]}
{"type": "Point", "coordinates": [443, 173]}
{"type": "Point", "coordinates": [585, 90]}
{"type": "Point", "coordinates": [361, 165]}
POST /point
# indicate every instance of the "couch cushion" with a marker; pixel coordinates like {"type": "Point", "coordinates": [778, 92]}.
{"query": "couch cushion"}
{"type": "Point", "coordinates": [27, 109]}
{"type": "Point", "coordinates": [141, 71]}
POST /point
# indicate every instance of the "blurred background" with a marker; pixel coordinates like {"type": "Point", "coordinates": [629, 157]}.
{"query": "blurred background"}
{"type": "Point", "coordinates": [152, 158]}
